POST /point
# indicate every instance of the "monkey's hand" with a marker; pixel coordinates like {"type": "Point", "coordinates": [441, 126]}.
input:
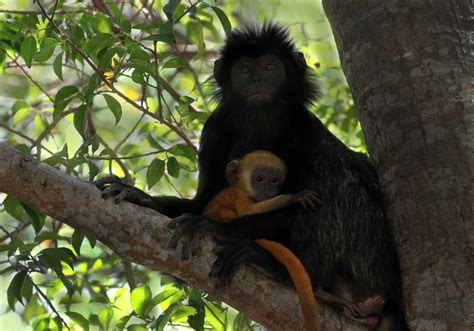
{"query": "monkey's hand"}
{"type": "Point", "coordinates": [113, 187]}
{"type": "Point", "coordinates": [308, 199]}
{"type": "Point", "coordinates": [190, 230]}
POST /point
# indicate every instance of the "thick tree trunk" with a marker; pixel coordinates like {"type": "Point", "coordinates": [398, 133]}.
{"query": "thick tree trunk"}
{"type": "Point", "coordinates": [141, 235]}
{"type": "Point", "coordinates": [410, 67]}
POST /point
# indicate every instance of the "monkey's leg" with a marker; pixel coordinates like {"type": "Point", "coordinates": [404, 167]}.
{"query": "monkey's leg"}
{"type": "Point", "coordinates": [231, 253]}
{"type": "Point", "coordinates": [190, 230]}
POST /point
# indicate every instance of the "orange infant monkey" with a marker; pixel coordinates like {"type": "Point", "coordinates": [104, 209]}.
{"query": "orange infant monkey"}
{"type": "Point", "coordinates": [255, 183]}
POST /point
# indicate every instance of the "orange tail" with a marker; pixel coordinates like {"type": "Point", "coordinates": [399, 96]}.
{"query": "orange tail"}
{"type": "Point", "coordinates": [300, 279]}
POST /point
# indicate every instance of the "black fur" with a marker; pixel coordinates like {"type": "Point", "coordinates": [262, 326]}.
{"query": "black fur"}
{"type": "Point", "coordinates": [267, 38]}
{"type": "Point", "coordinates": [348, 238]}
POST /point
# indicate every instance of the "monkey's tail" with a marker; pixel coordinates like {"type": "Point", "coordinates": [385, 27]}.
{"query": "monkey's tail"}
{"type": "Point", "coordinates": [300, 279]}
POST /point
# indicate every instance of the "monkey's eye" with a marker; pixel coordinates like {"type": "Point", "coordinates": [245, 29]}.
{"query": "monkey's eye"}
{"type": "Point", "coordinates": [269, 67]}
{"type": "Point", "coordinates": [259, 178]}
{"type": "Point", "coordinates": [274, 180]}
{"type": "Point", "coordinates": [244, 69]}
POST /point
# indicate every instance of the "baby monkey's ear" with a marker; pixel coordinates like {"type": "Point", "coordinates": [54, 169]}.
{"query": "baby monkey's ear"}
{"type": "Point", "coordinates": [232, 172]}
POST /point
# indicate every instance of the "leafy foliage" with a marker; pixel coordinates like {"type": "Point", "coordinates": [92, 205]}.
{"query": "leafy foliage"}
{"type": "Point", "coordinates": [121, 88]}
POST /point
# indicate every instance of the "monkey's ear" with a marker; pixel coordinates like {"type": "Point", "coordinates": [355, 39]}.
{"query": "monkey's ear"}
{"type": "Point", "coordinates": [300, 61]}
{"type": "Point", "coordinates": [232, 172]}
{"type": "Point", "coordinates": [218, 70]}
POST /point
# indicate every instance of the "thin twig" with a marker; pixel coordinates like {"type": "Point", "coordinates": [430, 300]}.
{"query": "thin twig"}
{"type": "Point", "coordinates": [29, 12]}
{"type": "Point", "coordinates": [116, 159]}
{"type": "Point", "coordinates": [162, 120]}
{"type": "Point", "coordinates": [50, 304]}
{"type": "Point", "coordinates": [126, 157]}
{"type": "Point", "coordinates": [129, 133]}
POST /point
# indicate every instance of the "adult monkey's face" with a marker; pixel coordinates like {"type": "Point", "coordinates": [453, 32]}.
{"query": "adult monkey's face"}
{"type": "Point", "coordinates": [257, 79]}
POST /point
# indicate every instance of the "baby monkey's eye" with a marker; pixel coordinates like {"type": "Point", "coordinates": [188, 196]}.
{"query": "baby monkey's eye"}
{"type": "Point", "coordinates": [269, 67]}
{"type": "Point", "coordinates": [259, 178]}
{"type": "Point", "coordinates": [274, 180]}
{"type": "Point", "coordinates": [244, 69]}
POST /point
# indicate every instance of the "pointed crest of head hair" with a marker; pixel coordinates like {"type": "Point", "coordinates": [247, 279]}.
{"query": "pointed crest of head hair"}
{"type": "Point", "coordinates": [270, 37]}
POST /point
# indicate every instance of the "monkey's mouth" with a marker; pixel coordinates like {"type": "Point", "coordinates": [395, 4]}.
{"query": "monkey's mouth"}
{"type": "Point", "coordinates": [259, 97]}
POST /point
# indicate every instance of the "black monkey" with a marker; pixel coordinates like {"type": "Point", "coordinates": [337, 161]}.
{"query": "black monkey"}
{"type": "Point", "coordinates": [264, 88]}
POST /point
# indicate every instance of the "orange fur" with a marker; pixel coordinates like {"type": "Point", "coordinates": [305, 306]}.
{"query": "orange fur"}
{"type": "Point", "coordinates": [235, 201]}
{"type": "Point", "coordinates": [300, 279]}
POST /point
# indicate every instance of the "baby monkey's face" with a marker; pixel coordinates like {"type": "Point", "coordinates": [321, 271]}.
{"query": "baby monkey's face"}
{"type": "Point", "coordinates": [266, 183]}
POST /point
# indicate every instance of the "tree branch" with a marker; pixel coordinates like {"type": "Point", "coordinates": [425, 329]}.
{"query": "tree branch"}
{"type": "Point", "coordinates": [141, 235]}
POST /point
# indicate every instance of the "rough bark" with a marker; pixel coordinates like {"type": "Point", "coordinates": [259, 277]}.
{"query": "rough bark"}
{"type": "Point", "coordinates": [141, 236]}
{"type": "Point", "coordinates": [410, 68]}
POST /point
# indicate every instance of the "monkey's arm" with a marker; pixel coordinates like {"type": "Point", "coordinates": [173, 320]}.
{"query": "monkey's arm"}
{"type": "Point", "coordinates": [274, 203]}
{"type": "Point", "coordinates": [308, 199]}
{"type": "Point", "coordinates": [211, 180]}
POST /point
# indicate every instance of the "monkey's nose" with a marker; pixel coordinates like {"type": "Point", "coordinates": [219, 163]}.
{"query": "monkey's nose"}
{"type": "Point", "coordinates": [256, 79]}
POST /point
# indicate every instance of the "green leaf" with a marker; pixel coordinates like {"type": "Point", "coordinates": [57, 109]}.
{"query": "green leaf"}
{"type": "Point", "coordinates": [152, 141]}
{"type": "Point", "coordinates": [36, 218]}
{"type": "Point", "coordinates": [223, 18]}
{"type": "Point", "coordinates": [63, 98]}
{"type": "Point", "coordinates": [105, 316]}
{"type": "Point", "coordinates": [197, 320]}
{"type": "Point", "coordinates": [52, 257]}
{"type": "Point", "coordinates": [106, 58]}
{"type": "Point", "coordinates": [200, 40]}
{"type": "Point", "coordinates": [58, 66]}
{"type": "Point", "coordinates": [173, 167]}
{"type": "Point", "coordinates": [14, 289]}
{"type": "Point", "coordinates": [13, 207]}
{"type": "Point", "coordinates": [33, 308]}
{"type": "Point", "coordinates": [92, 240]}
{"type": "Point", "coordinates": [80, 121]}
{"type": "Point", "coordinates": [120, 324]}
{"type": "Point", "coordinates": [165, 317]}
{"type": "Point", "coordinates": [20, 104]}
{"type": "Point", "coordinates": [137, 327]}
{"type": "Point", "coordinates": [28, 49]}
{"type": "Point", "coordinates": [94, 82]}
{"type": "Point", "coordinates": [93, 170]}
{"type": "Point", "coordinates": [185, 100]}
{"type": "Point", "coordinates": [48, 235]}
{"type": "Point", "coordinates": [76, 241]}
{"type": "Point", "coordinates": [175, 63]}
{"type": "Point", "coordinates": [166, 37]}
{"type": "Point", "coordinates": [99, 42]}
{"type": "Point", "coordinates": [137, 77]}
{"type": "Point", "coordinates": [140, 299]}
{"type": "Point", "coordinates": [27, 289]}
{"type": "Point", "coordinates": [114, 106]}
{"type": "Point", "coordinates": [154, 172]}
{"type": "Point", "coordinates": [42, 323]}
{"type": "Point", "coordinates": [183, 150]}
{"type": "Point", "coordinates": [140, 56]}
{"type": "Point", "coordinates": [165, 295]}
{"type": "Point", "coordinates": [79, 320]}
{"type": "Point", "coordinates": [65, 93]}
{"type": "Point", "coordinates": [46, 49]}
{"type": "Point", "coordinates": [169, 9]}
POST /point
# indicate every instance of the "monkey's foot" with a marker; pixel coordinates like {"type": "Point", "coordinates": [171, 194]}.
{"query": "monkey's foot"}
{"type": "Point", "coordinates": [366, 312]}
{"type": "Point", "coordinates": [231, 253]}
{"type": "Point", "coordinates": [113, 187]}
{"type": "Point", "coordinates": [190, 230]}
